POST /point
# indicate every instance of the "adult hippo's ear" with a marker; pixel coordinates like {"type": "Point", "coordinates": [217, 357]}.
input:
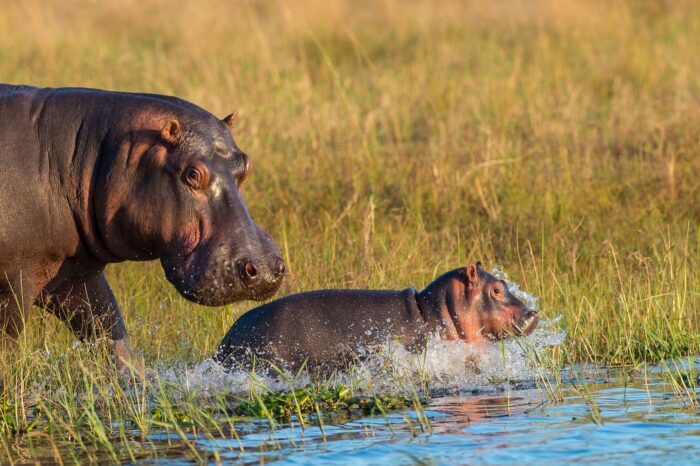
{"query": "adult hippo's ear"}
{"type": "Point", "coordinates": [151, 152]}
{"type": "Point", "coordinates": [171, 132]}
{"type": "Point", "coordinates": [230, 119]}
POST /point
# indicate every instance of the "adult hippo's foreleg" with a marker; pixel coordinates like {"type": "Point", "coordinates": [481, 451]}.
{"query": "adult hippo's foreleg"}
{"type": "Point", "coordinates": [91, 311]}
{"type": "Point", "coordinates": [17, 295]}
{"type": "Point", "coordinates": [11, 318]}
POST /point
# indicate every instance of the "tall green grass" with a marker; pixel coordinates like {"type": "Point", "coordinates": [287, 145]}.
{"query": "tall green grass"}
{"type": "Point", "coordinates": [392, 141]}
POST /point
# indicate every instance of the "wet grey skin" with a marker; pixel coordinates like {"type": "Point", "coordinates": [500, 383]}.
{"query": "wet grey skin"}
{"type": "Point", "coordinates": [327, 329]}
{"type": "Point", "coordinates": [94, 177]}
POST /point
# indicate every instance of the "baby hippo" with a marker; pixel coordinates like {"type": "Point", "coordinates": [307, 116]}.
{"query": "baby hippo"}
{"type": "Point", "coordinates": [326, 328]}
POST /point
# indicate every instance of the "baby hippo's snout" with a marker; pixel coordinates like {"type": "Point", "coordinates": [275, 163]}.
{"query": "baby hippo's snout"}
{"type": "Point", "coordinates": [511, 317]}
{"type": "Point", "coordinates": [527, 324]}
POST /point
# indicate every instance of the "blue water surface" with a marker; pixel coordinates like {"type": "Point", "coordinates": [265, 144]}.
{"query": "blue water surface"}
{"type": "Point", "coordinates": [611, 422]}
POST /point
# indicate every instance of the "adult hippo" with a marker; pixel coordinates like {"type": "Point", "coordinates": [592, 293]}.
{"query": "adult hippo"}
{"type": "Point", "coordinates": [92, 177]}
{"type": "Point", "coordinates": [327, 327]}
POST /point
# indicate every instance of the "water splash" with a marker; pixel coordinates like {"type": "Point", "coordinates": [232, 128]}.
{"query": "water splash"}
{"type": "Point", "coordinates": [443, 367]}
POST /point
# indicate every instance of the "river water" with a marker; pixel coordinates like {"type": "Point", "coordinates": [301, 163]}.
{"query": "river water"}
{"type": "Point", "coordinates": [634, 426]}
{"type": "Point", "coordinates": [496, 404]}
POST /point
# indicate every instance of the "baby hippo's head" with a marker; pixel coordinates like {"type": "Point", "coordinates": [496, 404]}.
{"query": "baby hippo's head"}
{"type": "Point", "coordinates": [490, 302]}
{"type": "Point", "coordinates": [473, 305]}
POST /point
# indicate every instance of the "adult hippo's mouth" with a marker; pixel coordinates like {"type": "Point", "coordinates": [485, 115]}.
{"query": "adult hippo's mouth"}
{"type": "Point", "coordinates": [189, 242]}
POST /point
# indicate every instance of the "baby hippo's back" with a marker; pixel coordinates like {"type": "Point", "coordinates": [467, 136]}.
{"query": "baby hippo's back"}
{"type": "Point", "coordinates": [322, 326]}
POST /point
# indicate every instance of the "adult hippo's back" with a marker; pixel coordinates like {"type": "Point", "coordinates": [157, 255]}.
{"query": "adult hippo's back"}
{"type": "Point", "coordinates": [92, 177]}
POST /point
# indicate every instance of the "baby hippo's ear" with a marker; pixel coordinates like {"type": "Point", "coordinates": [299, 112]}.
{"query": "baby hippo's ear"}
{"type": "Point", "coordinates": [474, 273]}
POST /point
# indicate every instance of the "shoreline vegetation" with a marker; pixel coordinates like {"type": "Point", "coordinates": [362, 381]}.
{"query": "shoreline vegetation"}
{"type": "Point", "coordinates": [390, 142]}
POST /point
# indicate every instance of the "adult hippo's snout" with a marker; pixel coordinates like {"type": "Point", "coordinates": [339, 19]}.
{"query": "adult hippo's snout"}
{"type": "Point", "coordinates": [222, 280]}
{"type": "Point", "coordinates": [253, 278]}
{"type": "Point", "coordinates": [262, 273]}
{"type": "Point", "coordinates": [226, 269]}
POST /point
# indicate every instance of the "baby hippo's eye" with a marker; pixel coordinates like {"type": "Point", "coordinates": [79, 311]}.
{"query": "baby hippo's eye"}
{"type": "Point", "coordinates": [497, 292]}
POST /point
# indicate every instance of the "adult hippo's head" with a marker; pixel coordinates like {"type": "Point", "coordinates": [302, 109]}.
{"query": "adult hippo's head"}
{"type": "Point", "coordinates": [171, 190]}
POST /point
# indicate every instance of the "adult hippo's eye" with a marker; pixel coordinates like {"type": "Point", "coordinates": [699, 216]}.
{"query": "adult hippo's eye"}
{"type": "Point", "coordinates": [195, 177]}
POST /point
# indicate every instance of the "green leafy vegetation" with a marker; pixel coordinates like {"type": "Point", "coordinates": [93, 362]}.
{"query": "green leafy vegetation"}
{"type": "Point", "coordinates": [300, 402]}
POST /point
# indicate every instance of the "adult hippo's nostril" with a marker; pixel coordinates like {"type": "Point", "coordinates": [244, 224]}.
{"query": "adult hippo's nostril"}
{"type": "Point", "coordinates": [247, 270]}
{"type": "Point", "coordinates": [279, 269]}
{"type": "Point", "coordinates": [260, 277]}
{"type": "Point", "coordinates": [250, 270]}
